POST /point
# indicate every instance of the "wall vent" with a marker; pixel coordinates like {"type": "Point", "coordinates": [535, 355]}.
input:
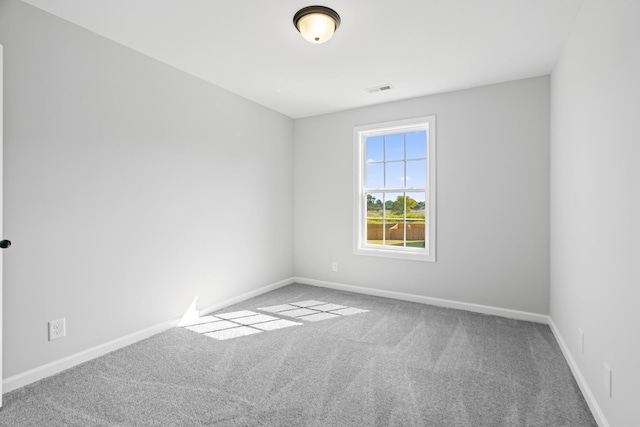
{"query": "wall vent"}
{"type": "Point", "coordinates": [380, 88]}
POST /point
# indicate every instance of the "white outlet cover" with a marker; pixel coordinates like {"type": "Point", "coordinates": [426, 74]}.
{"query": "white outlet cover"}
{"type": "Point", "coordinates": [57, 329]}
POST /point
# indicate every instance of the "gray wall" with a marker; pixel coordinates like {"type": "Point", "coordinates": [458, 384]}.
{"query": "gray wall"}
{"type": "Point", "coordinates": [130, 188]}
{"type": "Point", "coordinates": [595, 200]}
{"type": "Point", "coordinates": [492, 198]}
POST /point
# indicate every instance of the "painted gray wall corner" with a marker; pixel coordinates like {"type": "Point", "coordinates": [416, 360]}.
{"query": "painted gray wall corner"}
{"type": "Point", "coordinates": [130, 188]}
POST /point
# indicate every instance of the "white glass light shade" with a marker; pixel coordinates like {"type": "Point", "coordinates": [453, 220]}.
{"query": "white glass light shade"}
{"type": "Point", "coordinates": [316, 27]}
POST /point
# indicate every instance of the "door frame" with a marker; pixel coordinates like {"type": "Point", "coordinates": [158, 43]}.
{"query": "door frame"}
{"type": "Point", "coordinates": [1, 198]}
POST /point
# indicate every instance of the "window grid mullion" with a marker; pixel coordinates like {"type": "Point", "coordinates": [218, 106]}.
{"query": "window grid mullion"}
{"type": "Point", "coordinates": [386, 190]}
{"type": "Point", "coordinates": [404, 225]}
{"type": "Point", "coordinates": [384, 184]}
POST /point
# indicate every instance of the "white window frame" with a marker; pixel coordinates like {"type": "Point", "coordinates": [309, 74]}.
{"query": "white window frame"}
{"type": "Point", "coordinates": [360, 246]}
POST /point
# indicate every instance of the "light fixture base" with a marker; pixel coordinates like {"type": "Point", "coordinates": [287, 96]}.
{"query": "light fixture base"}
{"type": "Point", "coordinates": [316, 23]}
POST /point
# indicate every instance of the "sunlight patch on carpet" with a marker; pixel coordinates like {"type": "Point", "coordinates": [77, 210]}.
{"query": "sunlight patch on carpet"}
{"type": "Point", "coordinates": [278, 324]}
{"type": "Point", "coordinates": [277, 308]}
{"type": "Point", "coordinates": [318, 316]}
{"type": "Point", "coordinates": [225, 334]}
{"type": "Point", "coordinates": [297, 312]}
{"type": "Point", "coordinates": [237, 324]}
{"type": "Point", "coordinates": [307, 303]}
{"type": "Point", "coordinates": [259, 318]}
{"type": "Point", "coordinates": [312, 310]}
{"type": "Point", "coordinates": [223, 326]}
{"type": "Point", "coordinates": [236, 314]}
{"type": "Point", "coordinates": [203, 328]}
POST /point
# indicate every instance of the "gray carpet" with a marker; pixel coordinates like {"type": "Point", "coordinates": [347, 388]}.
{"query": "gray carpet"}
{"type": "Point", "coordinates": [398, 364]}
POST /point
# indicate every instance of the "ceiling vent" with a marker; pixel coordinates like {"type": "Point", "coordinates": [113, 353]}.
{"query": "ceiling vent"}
{"type": "Point", "coordinates": [380, 88]}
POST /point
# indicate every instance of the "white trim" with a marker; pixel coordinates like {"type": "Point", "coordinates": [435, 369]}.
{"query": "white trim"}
{"type": "Point", "coordinates": [390, 253]}
{"type": "Point", "coordinates": [33, 375]}
{"type": "Point", "coordinates": [596, 411]}
{"type": "Point", "coordinates": [20, 380]}
{"type": "Point", "coordinates": [1, 206]}
{"type": "Point", "coordinates": [360, 133]}
{"type": "Point", "coordinates": [577, 374]}
{"type": "Point", "coordinates": [476, 308]}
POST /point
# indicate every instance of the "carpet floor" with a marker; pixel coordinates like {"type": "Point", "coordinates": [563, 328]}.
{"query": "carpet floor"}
{"type": "Point", "coordinates": [309, 356]}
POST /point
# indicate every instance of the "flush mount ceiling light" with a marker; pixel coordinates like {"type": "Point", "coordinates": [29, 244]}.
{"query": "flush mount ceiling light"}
{"type": "Point", "coordinates": [316, 23]}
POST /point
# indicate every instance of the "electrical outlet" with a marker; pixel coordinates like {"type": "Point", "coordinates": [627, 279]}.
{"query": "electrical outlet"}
{"type": "Point", "coordinates": [334, 266]}
{"type": "Point", "coordinates": [608, 380]}
{"type": "Point", "coordinates": [57, 329]}
{"type": "Point", "coordinates": [581, 340]}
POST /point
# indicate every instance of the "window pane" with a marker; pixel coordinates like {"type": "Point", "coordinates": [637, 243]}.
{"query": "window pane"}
{"type": "Point", "coordinates": [375, 149]}
{"type": "Point", "coordinates": [375, 175]}
{"type": "Point", "coordinates": [417, 173]}
{"type": "Point", "coordinates": [395, 233]}
{"type": "Point", "coordinates": [394, 175]}
{"type": "Point", "coordinates": [416, 201]}
{"type": "Point", "coordinates": [417, 145]}
{"type": "Point", "coordinates": [416, 213]}
{"type": "Point", "coordinates": [394, 147]}
{"type": "Point", "coordinates": [389, 199]}
{"type": "Point", "coordinates": [415, 234]}
{"type": "Point", "coordinates": [375, 218]}
{"type": "Point", "coordinates": [374, 205]}
{"type": "Point", "coordinates": [375, 232]}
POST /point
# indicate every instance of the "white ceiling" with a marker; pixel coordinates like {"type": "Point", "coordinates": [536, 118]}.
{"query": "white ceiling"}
{"type": "Point", "coordinates": [251, 48]}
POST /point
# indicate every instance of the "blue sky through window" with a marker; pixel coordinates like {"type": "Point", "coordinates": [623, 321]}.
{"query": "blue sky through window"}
{"type": "Point", "coordinates": [416, 145]}
{"type": "Point", "coordinates": [394, 146]}
{"type": "Point", "coordinates": [375, 149]}
{"type": "Point", "coordinates": [397, 160]}
{"type": "Point", "coordinates": [416, 173]}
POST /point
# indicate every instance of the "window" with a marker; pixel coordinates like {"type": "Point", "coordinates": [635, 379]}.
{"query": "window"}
{"type": "Point", "coordinates": [394, 189]}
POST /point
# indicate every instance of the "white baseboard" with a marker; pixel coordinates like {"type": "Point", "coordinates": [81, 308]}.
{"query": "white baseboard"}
{"type": "Point", "coordinates": [577, 374]}
{"type": "Point", "coordinates": [33, 375]}
{"type": "Point", "coordinates": [20, 380]}
{"type": "Point", "coordinates": [477, 308]}
{"type": "Point", "coordinates": [503, 312]}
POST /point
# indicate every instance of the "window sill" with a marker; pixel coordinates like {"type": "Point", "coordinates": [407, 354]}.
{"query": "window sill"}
{"type": "Point", "coordinates": [387, 253]}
